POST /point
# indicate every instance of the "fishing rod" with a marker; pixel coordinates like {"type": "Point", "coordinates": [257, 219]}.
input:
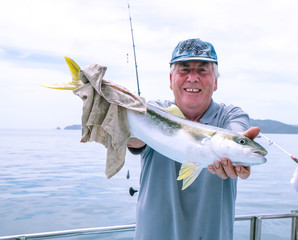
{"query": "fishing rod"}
{"type": "Point", "coordinates": [131, 190]}
{"type": "Point", "coordinates": [280, 148]}
{"type": "Point", "coordinates": [134, 49]}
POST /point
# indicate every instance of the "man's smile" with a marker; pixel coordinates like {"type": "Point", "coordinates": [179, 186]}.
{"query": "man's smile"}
{"type": "Point", "coordinates": [192, 90]}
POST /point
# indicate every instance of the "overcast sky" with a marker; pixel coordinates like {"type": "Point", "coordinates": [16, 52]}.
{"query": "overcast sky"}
{"type": "Point", "coordinates": [256, 42]}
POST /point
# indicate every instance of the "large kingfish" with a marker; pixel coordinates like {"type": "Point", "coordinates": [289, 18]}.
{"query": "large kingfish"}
{"type": "Point", "coordinates": [193, 144]}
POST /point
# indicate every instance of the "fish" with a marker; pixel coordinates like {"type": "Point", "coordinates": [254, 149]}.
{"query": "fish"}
{"type": "Point", "coordinates": [194, 145]}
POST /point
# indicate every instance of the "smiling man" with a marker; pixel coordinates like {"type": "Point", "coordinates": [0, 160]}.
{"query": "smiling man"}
{"type": "Point", "coordinates": [206, 209]}
{"type": "Point", "coordinates": [193, 83]}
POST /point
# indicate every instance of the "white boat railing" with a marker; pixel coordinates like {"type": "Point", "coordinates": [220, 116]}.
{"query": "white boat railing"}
{"type": "Point", "coordinates": [256, 223]}
{"type": "Point", "coordinates": [255, 228]}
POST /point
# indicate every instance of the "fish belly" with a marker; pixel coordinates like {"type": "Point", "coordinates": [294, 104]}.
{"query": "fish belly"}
{"type": "Point", "coordinates": [171, 141]}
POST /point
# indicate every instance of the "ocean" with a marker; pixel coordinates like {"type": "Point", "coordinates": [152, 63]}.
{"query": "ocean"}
{"type": "Point", "coordinates": [49, 181]}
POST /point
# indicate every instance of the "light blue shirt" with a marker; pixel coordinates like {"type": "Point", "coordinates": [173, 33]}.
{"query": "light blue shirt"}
{"type": "Point", "coordinates": [203, 211]}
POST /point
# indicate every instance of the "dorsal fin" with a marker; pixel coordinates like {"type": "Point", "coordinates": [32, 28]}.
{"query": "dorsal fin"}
{"type": "Point", "coordinates": [173, 109]}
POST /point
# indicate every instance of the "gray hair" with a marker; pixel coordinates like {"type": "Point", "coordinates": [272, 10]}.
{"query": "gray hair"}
{"type": "Point", "coordinates": [215, 69]}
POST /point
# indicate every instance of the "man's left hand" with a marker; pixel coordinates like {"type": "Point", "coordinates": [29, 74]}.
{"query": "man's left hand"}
{"type": "Point", "coordinates": [224, 168]}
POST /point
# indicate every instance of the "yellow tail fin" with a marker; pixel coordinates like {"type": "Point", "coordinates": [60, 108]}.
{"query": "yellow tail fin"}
{"type": "Point", "coordinates": [75, 83]}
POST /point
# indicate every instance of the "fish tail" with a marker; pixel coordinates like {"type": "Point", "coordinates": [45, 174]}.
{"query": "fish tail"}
{"type": "Point", "coordinates": [74, 69]}
{"type": "Point", "coordinates": [75, 83]}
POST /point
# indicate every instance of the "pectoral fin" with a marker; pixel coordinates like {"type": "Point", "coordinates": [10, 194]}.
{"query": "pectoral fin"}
{"type": "Point", "coordinates": [173, 109]}
{"type": "Point", "coordinates": [188, 173]}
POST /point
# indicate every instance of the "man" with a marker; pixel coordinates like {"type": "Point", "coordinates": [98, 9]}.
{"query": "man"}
{"type": "Point", "coordinates": [206, 209]}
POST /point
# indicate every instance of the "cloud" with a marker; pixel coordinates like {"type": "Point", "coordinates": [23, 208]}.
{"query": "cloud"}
{"type": "Point", "coordinates": [255, 42]}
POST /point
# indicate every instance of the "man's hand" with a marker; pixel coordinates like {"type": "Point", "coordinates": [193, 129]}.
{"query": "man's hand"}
{"type": "Point", "coordinates": [135, 143]}
{"type": "Point", "coordinates": [224, 168]}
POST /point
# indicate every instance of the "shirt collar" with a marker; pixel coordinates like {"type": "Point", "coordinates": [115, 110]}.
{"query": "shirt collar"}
{"type": "Point", "coordinates": [210, 113]}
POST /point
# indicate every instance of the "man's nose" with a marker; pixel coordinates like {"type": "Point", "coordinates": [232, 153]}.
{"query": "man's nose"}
{"type": "Point", "coordinates": [193, 76]}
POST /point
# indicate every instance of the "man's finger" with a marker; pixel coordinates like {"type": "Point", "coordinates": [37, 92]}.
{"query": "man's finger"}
{"type": "Point", "coordinates": [243, 172]}
{"type": "Point", "coordinates": [219, 171]}
{"type": "Point", "coordinates": [252, 133]}
{"type": "Point", "coordinates": [228, 168]}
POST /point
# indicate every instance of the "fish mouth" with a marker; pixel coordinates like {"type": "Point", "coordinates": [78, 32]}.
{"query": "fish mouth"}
{"type": "Point", "coordinates": [192, 90]}
{"type": "Point", "coordinates": [255, 152]}
{"type": "Point", "coordinates": [256, 156]}
{"type": "Point", "coordinates": [259, 152]}
{"type": "Point", "coordinates": [260, 155]}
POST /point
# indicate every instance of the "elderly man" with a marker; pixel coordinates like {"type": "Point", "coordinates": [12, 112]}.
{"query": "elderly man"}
{"type": "Point", "coordinates": [206, 209]}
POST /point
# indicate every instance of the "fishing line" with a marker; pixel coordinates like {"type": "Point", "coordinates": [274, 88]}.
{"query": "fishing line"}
{"type": "Point", "coordinates": [280, 148]}
{"type": "Point", "coordinates": [134, 48]}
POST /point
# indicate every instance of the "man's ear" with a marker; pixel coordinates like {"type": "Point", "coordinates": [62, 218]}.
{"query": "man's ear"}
{"type": "Point", "coordinates": [215, 85]}
{"type": "Point", "coordinates": [171, 81]}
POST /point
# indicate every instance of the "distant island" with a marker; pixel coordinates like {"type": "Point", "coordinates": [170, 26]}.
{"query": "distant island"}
{"type": "Point", "coordinates": [73, 127]}
{"type": "Point", "coordinates": [271, 126]}
{"type": "Point", "coordinates": [266, 126]}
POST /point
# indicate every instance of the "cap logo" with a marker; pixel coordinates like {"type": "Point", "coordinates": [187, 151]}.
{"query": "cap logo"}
{"type": "Point", "coordinates": [194, 47]}
{"type": "Point", "coordinates": [194, 50]}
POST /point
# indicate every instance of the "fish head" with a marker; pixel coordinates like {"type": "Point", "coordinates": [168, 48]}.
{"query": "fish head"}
{"type": "Point", "coordinates": [239, 149]}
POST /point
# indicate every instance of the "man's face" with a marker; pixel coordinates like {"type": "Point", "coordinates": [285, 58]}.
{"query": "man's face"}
{"type": "Point", "coordinates": [193, 84]}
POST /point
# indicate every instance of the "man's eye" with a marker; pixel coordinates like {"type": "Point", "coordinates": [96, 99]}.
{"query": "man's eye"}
{"type": "Point", "coordinates": [184, 70]}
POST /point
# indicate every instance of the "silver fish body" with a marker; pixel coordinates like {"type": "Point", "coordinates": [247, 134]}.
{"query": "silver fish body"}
{"type": "Point", "coordinates": [193, 144]}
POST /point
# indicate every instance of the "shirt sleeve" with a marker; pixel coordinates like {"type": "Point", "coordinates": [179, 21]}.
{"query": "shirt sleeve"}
{"type": "Point", "coordinates": [236, 119]}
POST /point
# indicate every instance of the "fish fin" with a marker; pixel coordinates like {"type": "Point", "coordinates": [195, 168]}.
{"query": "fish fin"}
{"type": "Point", "coordinates": [189, 171]}
{"type": "Point", "coordinates": [173, 109]}
{"type": "Point", "coordinates": [61, 86]}
{"type": "Point", "coordinates": [74, 69]}
{"type": "Point", "coordinates": [75, 83]}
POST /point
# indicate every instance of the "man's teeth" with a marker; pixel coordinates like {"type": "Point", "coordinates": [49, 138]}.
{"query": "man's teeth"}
{"type": "Point", "coordinates": [192, 90]}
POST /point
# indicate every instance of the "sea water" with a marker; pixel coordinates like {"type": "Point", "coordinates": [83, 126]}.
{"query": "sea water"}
{"type": "Point", "coordinates": [49, 181]}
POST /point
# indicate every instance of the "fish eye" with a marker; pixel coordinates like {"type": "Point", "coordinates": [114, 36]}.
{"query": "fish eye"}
{"type": "Point", "coordinates": [242, 141]}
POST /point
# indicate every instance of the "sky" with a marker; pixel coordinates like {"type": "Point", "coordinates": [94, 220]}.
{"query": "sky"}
{"type": "Point", "coordinates": [256, 42]}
